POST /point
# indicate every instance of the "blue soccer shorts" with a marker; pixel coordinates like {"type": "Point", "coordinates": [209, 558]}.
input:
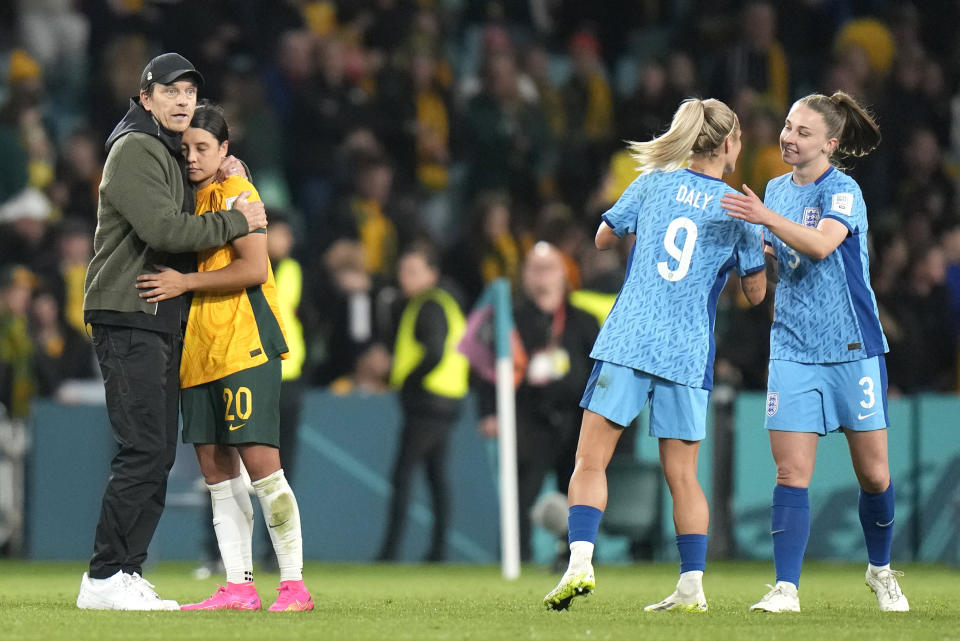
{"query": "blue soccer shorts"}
{"type": "Point", "coordinates": [823, 397]}
{"type": "Point", "coordinates": [619, 393]}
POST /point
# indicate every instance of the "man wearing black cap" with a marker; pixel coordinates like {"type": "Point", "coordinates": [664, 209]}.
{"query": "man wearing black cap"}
{"type": "Point", "coordinates": [144, 218]}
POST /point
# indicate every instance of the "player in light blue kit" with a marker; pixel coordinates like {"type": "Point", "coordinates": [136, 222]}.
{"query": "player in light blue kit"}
{"type": "Point", "coordinates": [657, 343]}
{"type": "Point", "coordinates": [827, 369]}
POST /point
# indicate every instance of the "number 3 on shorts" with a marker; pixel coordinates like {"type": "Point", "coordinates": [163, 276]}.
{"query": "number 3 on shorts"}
{"type": "Point", "coordinates": [867, 384]}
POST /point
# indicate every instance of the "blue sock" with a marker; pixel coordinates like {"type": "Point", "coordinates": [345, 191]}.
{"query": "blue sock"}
{"type": "Point", "coordinates": [876, 517]}
{"type": "Point", "coordinates": [693, 552]}
{"type": "Point", "coordinates": [583, 521]}
{"type": "Point", "coordinates": [790, 526]}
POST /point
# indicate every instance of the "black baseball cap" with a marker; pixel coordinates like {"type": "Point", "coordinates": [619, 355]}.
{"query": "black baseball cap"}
{"type": "Point", "coordinates": [166, 69]}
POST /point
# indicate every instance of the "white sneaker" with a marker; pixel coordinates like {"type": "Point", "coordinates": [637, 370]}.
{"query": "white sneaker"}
{"type": "Point", "coordinates": [782, 597]}
{"type": "Point", "coordinates": [119, 592]}
{"type": "Point", "coordinates": [688, 597]}
{"type": "Point", "coordinates": [146, 589]}
{"type": "Point", "coordinates": [884, 584]}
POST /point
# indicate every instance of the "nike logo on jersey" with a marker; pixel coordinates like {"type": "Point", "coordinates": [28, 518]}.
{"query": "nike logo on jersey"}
{"type": "Point", "coordinates": [234, 428]}
{"type": "Point", "coordinates": [863, 416]}
{"type": "Point", "coordinates": [879, 524]}
{"type": "Point", "coordinates": [776, 531]}
{"type": "Point", "coordinates": [692, 197]}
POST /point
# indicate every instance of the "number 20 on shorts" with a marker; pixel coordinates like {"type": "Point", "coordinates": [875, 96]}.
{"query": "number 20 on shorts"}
{"type": "Point", "coordinates": [241, 402]}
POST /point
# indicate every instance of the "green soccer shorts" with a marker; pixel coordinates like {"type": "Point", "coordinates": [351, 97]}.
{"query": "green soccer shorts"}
{"type": "Point", "coordinates": [243, 407]}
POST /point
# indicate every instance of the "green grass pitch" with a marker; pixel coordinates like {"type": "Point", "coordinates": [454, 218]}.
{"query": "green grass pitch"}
{"type": "Point", "coordinates": [37, 601]}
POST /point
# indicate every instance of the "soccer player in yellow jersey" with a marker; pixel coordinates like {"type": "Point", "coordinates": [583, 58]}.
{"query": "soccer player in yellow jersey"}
{"type": "Point", "coordinates": [230, 375]}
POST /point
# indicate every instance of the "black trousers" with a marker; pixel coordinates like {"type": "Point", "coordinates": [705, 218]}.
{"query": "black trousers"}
{"type": "Point", "coordinates": [141, 377]}
{"type": "Point", "coordinates": [291, 402]}
{"type": "Point", "coordinates": [543, 446]}
{"type": "Point", "coordinates": [423, 438]}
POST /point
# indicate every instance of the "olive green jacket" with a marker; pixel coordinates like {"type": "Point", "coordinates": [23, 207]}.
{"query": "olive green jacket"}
{"type": "Point", "coordinates": [141, 218]}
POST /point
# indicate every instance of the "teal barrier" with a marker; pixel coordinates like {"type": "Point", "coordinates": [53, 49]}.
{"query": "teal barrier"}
{"type": "Point", "coordinates": [937, 482]}
{"type": "Point", "coordinates": [347, 447]}
{"type": "Point", "coordinates": [67, 469]}
{"type": "Point", "coordinates": [346, 453]}
{"type": "Point", "coordinates": [346, 450]}
{"type": "Point", "coordinates": [924, 451]}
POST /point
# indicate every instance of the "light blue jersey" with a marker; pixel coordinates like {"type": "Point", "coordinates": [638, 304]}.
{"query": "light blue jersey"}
{"type": "Point", "coordinates": [662, 321]}
{"type": "Point", "coordinates": [825, 311]}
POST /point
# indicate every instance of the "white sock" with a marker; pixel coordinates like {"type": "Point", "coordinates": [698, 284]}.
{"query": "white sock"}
{"type": "Point", "coordinates": [233, 523]}
{"type": "Point", "coordinates": [792, 586]}
{"type": "Point", "coordinates": [282, 515]}
{"type": "Point", "coordinates": [876, 569]}
{"type": "Point", "coordinates": [581, 554]}
{"type": "Point", "coordinates": [241, 495]}
{"type": "Point", "coordinates": [690, 581]}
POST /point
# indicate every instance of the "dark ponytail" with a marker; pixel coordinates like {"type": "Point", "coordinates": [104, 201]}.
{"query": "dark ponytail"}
{"type": "Point", "coordinates": [860, 134]}
{"type": "Point", "coordinates": [209, 117]}
{"type": "Point", "coordinates": [847, 121]}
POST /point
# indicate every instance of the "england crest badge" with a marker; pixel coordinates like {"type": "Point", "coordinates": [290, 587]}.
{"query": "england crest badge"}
{"type": "Point", "coordinates": [773, 403]}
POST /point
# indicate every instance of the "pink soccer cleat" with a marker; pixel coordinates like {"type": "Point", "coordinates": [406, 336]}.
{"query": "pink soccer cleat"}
{"type": "Point", "coordinates": [293, 598]}
{"type": "Point", "coordinates": [235, 596]}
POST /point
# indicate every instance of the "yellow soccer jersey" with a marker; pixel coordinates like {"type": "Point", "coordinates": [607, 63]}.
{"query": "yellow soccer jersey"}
{"type": "Point", "coordinates": [229, 332]}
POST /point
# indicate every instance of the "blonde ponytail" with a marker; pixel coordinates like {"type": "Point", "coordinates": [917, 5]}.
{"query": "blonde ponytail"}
{"type": "Point", "coordinates": [671, 150]}
{"type": "Point", "coordinates": [698, 127]}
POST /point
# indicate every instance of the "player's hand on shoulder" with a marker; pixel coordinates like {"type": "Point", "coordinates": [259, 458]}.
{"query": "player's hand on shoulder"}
{"type": "Point", "coordinates": [231, 166]}
{"type": "Point", "coordinates": [746, 206]}
{"type": "Point", "coordinates": [254, 211]}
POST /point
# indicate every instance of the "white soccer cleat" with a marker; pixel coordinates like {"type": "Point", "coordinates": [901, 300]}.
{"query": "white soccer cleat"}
{"type": "Point", "coordinates": [688, 597]}
{"type": "Point", "coordinates": [782, 597]}
{"type": "Point", "coordinates": [120, 592]}
{"type": "Point", "coordinates": [884, 584]}
{"type": "Point", "coordinates": [574, 583]}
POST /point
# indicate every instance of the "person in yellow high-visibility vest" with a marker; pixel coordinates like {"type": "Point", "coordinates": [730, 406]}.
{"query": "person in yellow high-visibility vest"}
{"type": "Point", "coordinates": [289, 278]}
{"type": "Point", "coordinates": [431, 376]}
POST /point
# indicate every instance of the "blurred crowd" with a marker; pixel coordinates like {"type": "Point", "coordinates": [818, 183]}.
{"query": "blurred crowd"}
{"type": "Point", "coordinates": [481, 127]}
